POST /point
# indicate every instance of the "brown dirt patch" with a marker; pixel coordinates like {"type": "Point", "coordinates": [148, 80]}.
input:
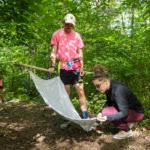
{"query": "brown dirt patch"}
{"type": "Point", "coordinates": [36, 127]}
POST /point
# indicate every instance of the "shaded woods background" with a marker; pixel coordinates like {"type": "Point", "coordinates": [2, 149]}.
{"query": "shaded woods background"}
{"type": "Point", "coordinates": [116, 34]}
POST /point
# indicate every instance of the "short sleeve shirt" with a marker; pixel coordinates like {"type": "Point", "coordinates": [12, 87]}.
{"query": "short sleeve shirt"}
{"type": "Point", "coordinates": [68, 46]}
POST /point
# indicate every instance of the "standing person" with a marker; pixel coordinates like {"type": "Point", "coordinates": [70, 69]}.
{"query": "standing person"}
{"type": "Point", "coordinates": [67, 49]}
{"type": "Point", "coordinates": [122, 106]}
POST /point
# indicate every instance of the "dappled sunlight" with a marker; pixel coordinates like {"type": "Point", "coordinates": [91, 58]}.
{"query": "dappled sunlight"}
{"type": "Point", "coordinates": [34, 126]}
{"type": "Point", "coordinates": [115, 34]}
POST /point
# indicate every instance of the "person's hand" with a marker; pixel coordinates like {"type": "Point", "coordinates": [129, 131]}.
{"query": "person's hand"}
{"type": "Point", "coordinates": [51, 69]}
{"type": "Point", "coordinates": [99, 115]}
{"type": "Point", "coordinates": [82, 73]}
{"type": "Point", "coordinates": [101, 118]}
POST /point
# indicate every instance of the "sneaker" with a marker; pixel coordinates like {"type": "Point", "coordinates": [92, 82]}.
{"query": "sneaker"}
{"type": "Point", "coordinates": [65, 125]}
{"type": "Point", "coordinates": [85, 115]}
{"type": "Point", "coordinates": [123, 135]}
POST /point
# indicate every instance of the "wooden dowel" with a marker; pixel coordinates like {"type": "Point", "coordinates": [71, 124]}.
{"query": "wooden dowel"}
{"type": "Point", "coordinates": [43, 69]}
{"type": "Point", "coordinates": [33, 67]}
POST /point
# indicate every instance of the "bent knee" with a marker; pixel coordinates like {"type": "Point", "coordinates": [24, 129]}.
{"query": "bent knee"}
{"type": "Point", "coordinates": [109, 111]}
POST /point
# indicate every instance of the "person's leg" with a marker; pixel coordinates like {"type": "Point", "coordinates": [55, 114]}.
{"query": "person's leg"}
{"type": "Point", "coordinates": [82, 99]}
{"type": "Point", "coordinates": [122, 124]}
{"type": "Point", "coordinates": [110, 110]}
{"type": "Point", "coordinates": [67, 87]}
{"type": "Point", "coordinates": [134, 116]}
{"type": "Point", "coordinates": [66, 79]}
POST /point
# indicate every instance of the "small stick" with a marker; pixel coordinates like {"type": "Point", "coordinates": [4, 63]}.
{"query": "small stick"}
{"type": "Point", "coordinates": [33, 67]}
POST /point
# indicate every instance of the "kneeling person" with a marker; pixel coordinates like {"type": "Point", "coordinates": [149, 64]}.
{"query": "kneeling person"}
{"type": "Point", "coordinates": [122, 106]}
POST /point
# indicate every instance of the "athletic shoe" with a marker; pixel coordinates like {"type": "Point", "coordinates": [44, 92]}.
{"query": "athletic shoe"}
{"type": "Point", "coordinates": [123, 135]}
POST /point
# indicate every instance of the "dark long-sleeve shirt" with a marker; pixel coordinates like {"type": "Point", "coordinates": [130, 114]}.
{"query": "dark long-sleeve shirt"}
{"type": "Point", "coordinates": [121, 97]}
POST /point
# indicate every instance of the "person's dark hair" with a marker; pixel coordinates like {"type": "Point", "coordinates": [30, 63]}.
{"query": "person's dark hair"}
{"type": "Point", "coordinates": [99, 72]}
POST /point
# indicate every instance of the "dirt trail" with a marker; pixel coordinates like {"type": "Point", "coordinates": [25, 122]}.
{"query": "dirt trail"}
{"type": "Point", "coordinates": [36, 127]}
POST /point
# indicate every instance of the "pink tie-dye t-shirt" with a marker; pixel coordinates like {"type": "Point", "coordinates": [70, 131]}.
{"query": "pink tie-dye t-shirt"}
{"type": "Point", "coordinates": [68, 45]}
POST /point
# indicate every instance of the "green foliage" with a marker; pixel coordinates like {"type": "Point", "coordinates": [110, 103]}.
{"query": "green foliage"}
{"type": "Point", "coordinates": [116, 34]}
{"type": "Point", "coordinates": [96, 102]}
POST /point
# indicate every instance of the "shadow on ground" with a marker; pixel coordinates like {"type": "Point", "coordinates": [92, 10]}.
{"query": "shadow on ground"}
{"type": "Point", "coordinates": [36, 127]}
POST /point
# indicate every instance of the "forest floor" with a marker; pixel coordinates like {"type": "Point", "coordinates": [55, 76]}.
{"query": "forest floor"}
{"type": "Point", "coordinates": [36, 127]}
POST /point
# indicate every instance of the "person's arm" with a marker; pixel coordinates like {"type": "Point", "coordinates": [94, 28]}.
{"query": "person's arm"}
{"type": "Point", "coordinates": [52, 59]}
{"type": "Point", "coordinates": [81, 61]}
{"type": "Point", "coordinates": [80, 45]}
{"type": "Point", "coordinates": [53, 55]}
{"type": "Point", "coordinates": [54, 43]}
{"type": "Point", "coordinates": [122, 103]}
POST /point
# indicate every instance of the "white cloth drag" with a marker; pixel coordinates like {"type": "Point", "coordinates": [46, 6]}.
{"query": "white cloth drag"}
{"type": "Point", "coordinates": [56, 97]}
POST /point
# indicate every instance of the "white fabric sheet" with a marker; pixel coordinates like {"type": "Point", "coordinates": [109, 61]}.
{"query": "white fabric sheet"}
{"type": "Point", "coordinates": [56, 97]}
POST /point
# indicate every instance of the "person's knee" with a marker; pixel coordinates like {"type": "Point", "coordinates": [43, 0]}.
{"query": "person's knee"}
{"type": "Point", "coordinates": [80, 91]}
{"type": "Point", "coordinates": [109, 111]}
